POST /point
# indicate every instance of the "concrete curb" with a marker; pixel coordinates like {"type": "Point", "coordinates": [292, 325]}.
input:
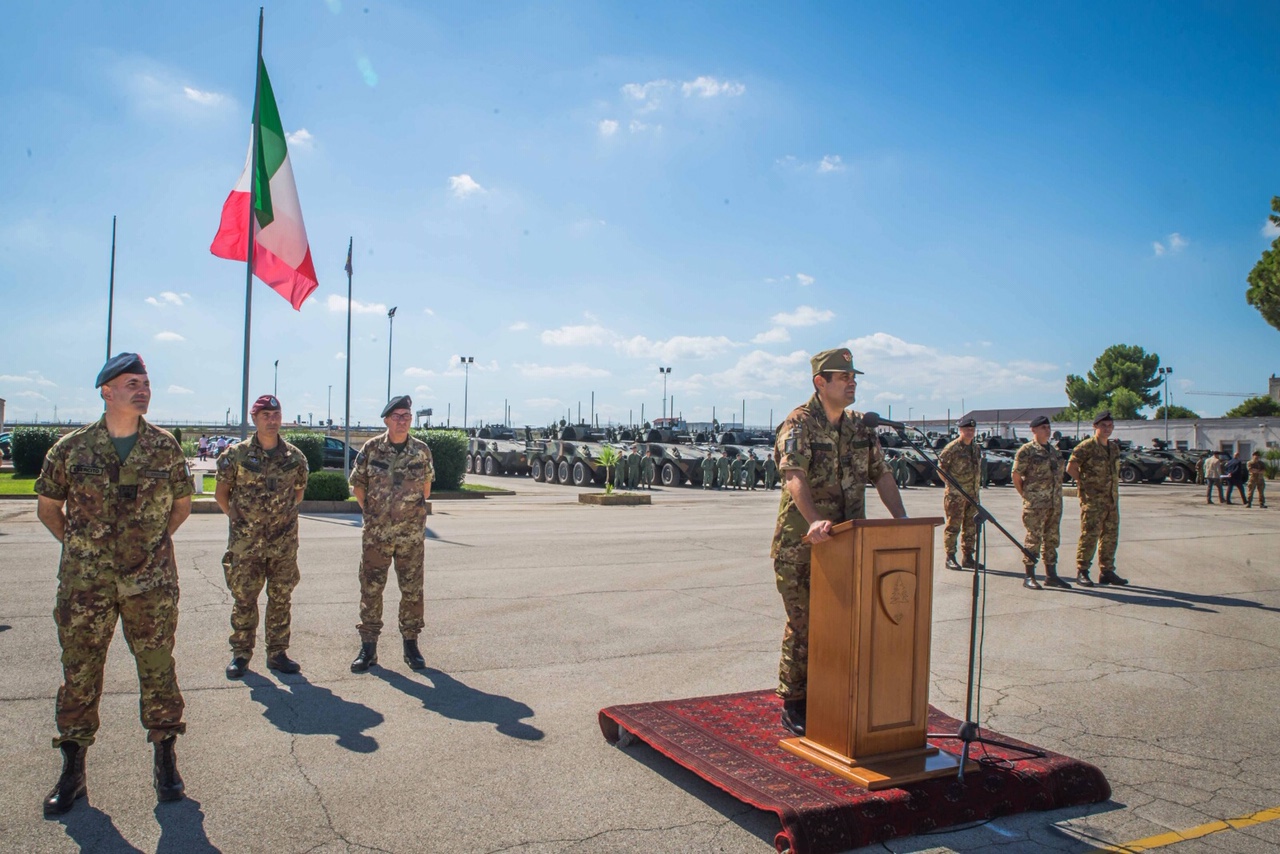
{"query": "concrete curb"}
{"type": "Point", "coordinates": [611, 500]}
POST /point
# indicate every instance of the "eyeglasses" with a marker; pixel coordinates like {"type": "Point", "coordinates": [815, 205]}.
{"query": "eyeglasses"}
{"type": "Point", "coordinates": [405, 417]}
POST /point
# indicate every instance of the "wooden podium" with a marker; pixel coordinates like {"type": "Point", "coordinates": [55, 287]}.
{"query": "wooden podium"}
{"type": "Point", "coordinates": [870, 620]}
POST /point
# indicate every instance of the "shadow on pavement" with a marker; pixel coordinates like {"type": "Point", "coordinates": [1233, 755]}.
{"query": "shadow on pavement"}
{"type": "Point", "coordinates": [4, 628]}
{"type": "Point", "coordinates": [453, 699]}
{"type": "Point", "coordinates": [93, 830]}
{"type": "Point", "coordinates": [1157, 597]}
{"type": "Point", "coordinates": [182, 829]}
{"type": "Point", "coordinates": [307, 709]}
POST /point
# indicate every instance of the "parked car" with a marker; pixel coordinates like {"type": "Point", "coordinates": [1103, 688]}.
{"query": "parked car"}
{"type": "Point", "coordinates": [333, 450]}
{"type": "Point", "coordinates": [6, 445]}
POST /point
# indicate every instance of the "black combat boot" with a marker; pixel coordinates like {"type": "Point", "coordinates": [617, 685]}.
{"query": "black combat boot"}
{"type": "Point", "coordinates": [70, 786]}
{"type": "Point", "coordinates": [412, 656]}
{"type": "Point", "coordinates": [282, 662]}
{"type": "Point", "coordinates": [793, 715]}
{"type": "Point", "coordinates": [1030, 581]}
{"type": "Point", "coordinates": [1051, 578]}
{"type": "Point", "coordinates": [169, 785]}
{"type": "Point", "coordinates": [1108, 576]}
{"type": "Point", "coordinates": [951, 561]}
{"type": "Point", "coordinates": [367, 658]}
{"type": "Point", "coordinates": [968, 562]}
{"type": "Point", "coordinates": [237, 668]}
{"type": "Point", "coordinates": [1083, 579]}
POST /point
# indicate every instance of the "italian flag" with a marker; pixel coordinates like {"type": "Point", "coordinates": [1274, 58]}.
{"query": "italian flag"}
{"type": "Point", "coordinates": [281, 254]}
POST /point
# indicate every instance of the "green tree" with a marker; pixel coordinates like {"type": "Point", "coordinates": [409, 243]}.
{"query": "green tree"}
{"type": "Point", "coordinates": [1261, 406]}
{"type": "Point", "coordinates": [1175, 411]}
{"type": "Point", "coordinates": [1123, 379]}
{"type": "Point", "coordinates": [1264, 278]}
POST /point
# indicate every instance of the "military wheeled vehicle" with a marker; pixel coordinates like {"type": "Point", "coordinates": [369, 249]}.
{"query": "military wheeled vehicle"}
{"type": "Point", "coordinates": [1141, 467]}
{"type": "Point", "coordinates": [497, 456]}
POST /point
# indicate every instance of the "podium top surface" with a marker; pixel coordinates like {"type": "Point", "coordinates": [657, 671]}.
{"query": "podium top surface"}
{"type": "Point", "coordinates": [887, 523]}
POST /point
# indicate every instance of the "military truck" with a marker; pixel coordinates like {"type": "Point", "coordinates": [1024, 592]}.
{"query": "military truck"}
{"type": "Point", "coordinates": [497, 456]}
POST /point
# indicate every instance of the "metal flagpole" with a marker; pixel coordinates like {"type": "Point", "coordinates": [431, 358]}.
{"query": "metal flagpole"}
{"type": "Point", "coordinates": [111, 286]}
{"type": "Point", "coordinates": [254, 162]}
{"type": "Point", "coordinates": [346, 457]}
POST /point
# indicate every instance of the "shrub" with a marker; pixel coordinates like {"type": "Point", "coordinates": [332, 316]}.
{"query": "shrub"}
{"type": "Point", "coordinates": [312, 446]}
{"type": "Point", "coordinates": [177, 434]}
{"type": "Point", "coordinates": [327, 486]}
{"type": "Point", "coordinates": [189, 448]}
{"type": "Point", "coordinates": [30, 444]}
{"type": "Point", "coordinates": [449, 453]}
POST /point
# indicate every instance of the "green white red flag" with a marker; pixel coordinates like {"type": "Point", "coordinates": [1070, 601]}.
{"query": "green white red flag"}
{"type": "Point", "coordinates": [281, 254]}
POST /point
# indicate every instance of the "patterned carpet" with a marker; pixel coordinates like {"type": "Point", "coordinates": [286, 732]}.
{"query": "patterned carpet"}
{"type": "Point", "coordinates": [731, 741]}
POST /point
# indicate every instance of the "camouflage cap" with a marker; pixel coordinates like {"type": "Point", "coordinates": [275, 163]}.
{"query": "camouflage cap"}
{"type": "Point", "coordinates": [1040, 421]}
{"type": "Point", "coordinates": [401, 402]}
{"type": "Point", "coordinates": [125, 363]}
{"type": "Point", "coordinates": [1104, 415]}
{"type": "Point", "coordinates": [967, 421]}
{"type": "Point", "coordinates": [839, 359]}
{"type": "Point", "coordinates": [267, 401]}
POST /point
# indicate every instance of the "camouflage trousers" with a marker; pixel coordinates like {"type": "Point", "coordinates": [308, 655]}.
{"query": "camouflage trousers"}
{"type": "Point", "coordinates": [380, 549]}
{"type": "Point", "coordinates": [247, 570]}
{"type": "Point", "coordinates": [1100, 530]}
{"type": "Point", "coordinates": [791, 569]}
{"type": "Point", "coordinates": [86, 619]}
{"type": "Point", "coordinates": [1260, 486]}
{"type": "Point", "coordinates": [1044, 530]}
{"type": "Point", "coordinates": [961, 523]}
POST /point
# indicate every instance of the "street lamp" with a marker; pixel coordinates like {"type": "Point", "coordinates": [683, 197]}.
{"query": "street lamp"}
{"type": "Point", "coordinates": [328, 419]}
{"type": "Point", "coordinates": [665, 373]}
{"type": "Point", "coordinates": [466, 385]}
{"type": "Point", "coordinates": [391, 320]}
{"type": "Point", "coordinates": [1164, 377]}
{"type": "Point", "coordinates": [275, 383]}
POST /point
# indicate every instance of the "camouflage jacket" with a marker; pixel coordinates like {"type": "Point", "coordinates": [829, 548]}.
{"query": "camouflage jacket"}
{"type": "Point", "coordinates": [1256, 469]}
{"type": "Point", "coordinates": [1099, 481]}
{"type": "Point", "coordinates": [964, 463]}
{"type": "Point", "coordinates": [838, 460]}
{"type": "Point", "coordinates": [393, 481]}
{"type": "Point", "coordinates": [1041, 469]}
{"type": "Point", "coordinates": [263, 485]}
{"type": "Point", "coordinates": [117, 512]}
{"type": "Point", "coordinates": [633, 466]}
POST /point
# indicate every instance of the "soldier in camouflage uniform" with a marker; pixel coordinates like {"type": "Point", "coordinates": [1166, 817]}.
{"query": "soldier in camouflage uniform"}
{"type": "Point", "coordinates": [1037, 475]}
{"type": "Point", "coordinates": [1257, 480]}
{"type": "Point", "coordinates": [962, 459]}
{"type": "Point", "coordinates": [749, 468]}
{"type": "Point", "coordinates": [724, 470]}
{"type": "Point", "coordinates": [709, 471]}
{"type": "Point", "coordinates": [828, 456]}
{"type": "Point", "coordinates": [770, 471]}
{"type": "Point", "coordinates": [392, 481]}
{"type": "Point", "coordinates": [648, 469]}
{"type": "Point", "coordinates": [113, 493]}
{"type": "Point", "coordinates": [1095, 467]}
{"type": "Point", "coordinates": [260, 483]}
{"type": "Point", "coordinates": [620, 471]}
{"type": "Point", "coordinates": [735, 471]}
{"type": "Point", "coordinates": [633, 467]}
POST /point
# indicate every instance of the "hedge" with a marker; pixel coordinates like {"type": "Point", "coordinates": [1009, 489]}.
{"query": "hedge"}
{"type": "Point", "coordinates": [30, 444]}
{"type": "Point", "coordinates": [311, 445]}
{"type": "Point", "coordinates": [449, 453]}
{"type": "Point", "coordinates": [327, 486]}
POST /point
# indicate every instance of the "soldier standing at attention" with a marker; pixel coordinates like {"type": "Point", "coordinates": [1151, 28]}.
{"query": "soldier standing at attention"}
{"type": "Point", "coordinates": [392, 482]}
{"type": "Point", "coordinates": [749, 471]}
{"type": "Point", "coordinates": [709, 471]}
{"type": "Point", "coordinates": [735, 471]}
{"type": "Point", "coordinates": [1095, 467]}
{"type": "Point", "coordinates": [828, 456]}
{"type": "Point", "coordinates": [724, 470]}
{"type": "Point", "coordinates": [1256, 481]}
{"type": "Point", "coordinates": [648, 469]}
{"type": "Point", "coordinates": [620, 471]}
{"type": "Point", "coordinates": [962, 459]}
{"type": "Point", "coordinates": [1037, 475]}
{"type": "Point", "coordinates": [633, 467]}
{"type": "Point", "coordinates": [113, 493]}
{"type": "Point", "coordinates": [260, 483]}
{"type": "Point", "coordinates": [771, 471]}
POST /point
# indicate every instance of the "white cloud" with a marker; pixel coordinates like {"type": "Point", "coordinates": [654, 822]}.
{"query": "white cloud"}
{"type": "Point", "coordinates": [339, 355]}
{"type": "Point", "coordinates": [546, 372]}
{"type": "Point", "coordinates": [761, 371]}
{"type": "Point", "coordinates": [710, 87]}
{"type": "Point", "coordinates": [1157, 248]}
{"type": "Point", "coordinates": [300, 138]}
{"type": "Point", "coordinates": [803, 316]}
{"type": "Point", "coordinates": [544, 402]}
{"type": "Point", "coordinates": [339, 304]}
{"type": "Point", "coordinates": [1270, 230]}
{"type": "Point", "coordinates": [422, 389]}
{"type": "Point", "coordinates": [647, 92]}
{"type": "Point", "coordinates": [464, 185]}
{"type": "Point", "coordinates": [577, 336]}
{"type": "Point", "coordinates": [169, 336]}
{"type": "Point", "coordinates": [1173, 244]}
{"type": "Point", "coordinates": [518, 326]}
{"type": "Point", "coordinates": [32, 377]}
{"type": "Point", "coordinates": [167, 298]}
{"type": "Point", "coordinates": [637, 126]}
{"type": "Point", "coordinates": [831, 163]}
{"type": "Point", "coordinates": [804, 280]}
{"type": "Point", "coordinates": [428, 312]}
{"type": "Point", "coordinates": [608, 127]}
{"type": "Point", "coordinates": [776, 335]}
{"type": "Point", "coordinates": [675, 348]}
{"type": "Point", "coordinates": [939, 375]}
{"type": "Point", "coordinates": [34, 395]}
{"type": "Point", "coordinates": [177, 389]}
{"type": "Point", "coordinates": [889, 397]}
{"type": "Point", "coordinates": [208, 99]}
{"type": "Point", "coordinates": [418, 373]}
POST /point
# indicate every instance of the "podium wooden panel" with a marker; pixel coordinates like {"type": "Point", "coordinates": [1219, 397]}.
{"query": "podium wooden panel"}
{"type": "Point", "coordinates": [870, 622]}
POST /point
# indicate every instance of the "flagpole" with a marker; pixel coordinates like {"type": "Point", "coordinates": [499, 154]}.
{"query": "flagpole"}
{"type": "Point", "coordinates": [111, 286]}
{"type": "Point", "coordinates": [346, 457]}
{"type": "Point", "coordinates": [255, 151]}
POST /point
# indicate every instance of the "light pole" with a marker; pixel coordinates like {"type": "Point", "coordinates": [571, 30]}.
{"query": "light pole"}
{"type": "Point", "coordinates": [275, 383]}
{"type": "Point", "coordinates": [666, 372]}
{"type": "Point", "coordinates": [1164, 377]}
{"type": "Point", "coordinates": [329, 418]}
{"type": "Point", "coordinates": [391, 322]}
{"type": "Point", "coordinates": [466, 385]}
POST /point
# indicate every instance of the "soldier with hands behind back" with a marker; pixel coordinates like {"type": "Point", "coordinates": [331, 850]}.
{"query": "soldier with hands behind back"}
{"type": "Point", "coordinates": [1037, 475]}
{"type": "Point", "coordinates": [962, 459]}
{"type": "Point", "coordinates": [1095, 467]}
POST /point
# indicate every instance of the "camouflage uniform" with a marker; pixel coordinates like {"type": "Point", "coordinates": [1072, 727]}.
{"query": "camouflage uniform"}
{"type": "Point", "coordinates": [723, 472]}
{"type": "Point", "coordinates": [648, 468]}
{"type": "Point", "coordinates": [117, 563]}
{"type": "Point", "coordinates": [770, 473]}
{"type": "Point", "coordinates": [633, 469]}
{"type": "Point", "coordinates": [1099, 491]}
{"type": "Point", "coordinates": [964, 464]}
{"type": "Point", "coordinates": [838, 461]}
{"type": "Point", "coordinates": [395, 515]}
{"type": "Point", "coordinates": [735, 472]}
{"type": "Point", "coordinates": [262, 545]}
{"type": "Point", "coordinates": [1041, 469]}
{"type": "Point", "coordinates": [620, 472]}
{"type": "Point", "coordinates": [708, 472]}
{"type": "Point", "coordinates": [749, 466]}
{"type": "Point", "coordinates": [1257, 482]}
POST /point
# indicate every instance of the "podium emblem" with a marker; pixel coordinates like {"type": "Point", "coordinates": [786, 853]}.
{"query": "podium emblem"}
{"type": "Point", "coordinates": [898, 594]}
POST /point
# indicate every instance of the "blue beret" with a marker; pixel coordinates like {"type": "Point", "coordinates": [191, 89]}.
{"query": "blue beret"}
{"type": "Point", "coordinates": [125, 363]}
{"type": "Point", "coordinates": [401, 402]}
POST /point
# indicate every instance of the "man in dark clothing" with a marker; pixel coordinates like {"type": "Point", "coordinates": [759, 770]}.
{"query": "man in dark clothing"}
{"type": "Point", "coordinates": [1234, 475]}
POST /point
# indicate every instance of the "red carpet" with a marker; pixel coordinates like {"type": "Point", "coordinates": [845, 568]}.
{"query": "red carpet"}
{"type": "Point", "coordinates": [731, 741]}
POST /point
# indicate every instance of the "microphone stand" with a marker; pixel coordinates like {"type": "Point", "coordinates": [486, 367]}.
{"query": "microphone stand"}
{"type": "Point", "coordinates": [968, 732]}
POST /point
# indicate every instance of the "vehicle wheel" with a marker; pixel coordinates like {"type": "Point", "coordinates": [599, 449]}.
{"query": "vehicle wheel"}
{"type": "Point", "coordinates": [1178, 474]}
{"type": "Point", "coordinates": [1128, 474]}
{"type": "Point", "coordinates": [491, 466]}
{"type": "Point", "coordinates": [535, 470]}
{"type": "Point", "coordinates": [913, 479]}
{"type": "Point", "coordinates": [581, 474]}
{"type": "Point", "coordinates": [470, 464]}
{"type": "Point", "coordinates": [549, 471]}
{"type": "Point", "coordinates": [670, 475]}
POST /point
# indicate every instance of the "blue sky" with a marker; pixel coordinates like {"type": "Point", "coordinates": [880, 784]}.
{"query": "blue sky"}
{"type": "Point", "coordinates": [977, 200]}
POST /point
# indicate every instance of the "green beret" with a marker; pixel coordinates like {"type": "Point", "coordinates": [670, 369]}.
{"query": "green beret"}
{"type": "Point", "coordinates": [125, 363]}
{"type": "Point", "coordinates": [401, 402]}
{"type": "Point", "coordinates": [833, 360]}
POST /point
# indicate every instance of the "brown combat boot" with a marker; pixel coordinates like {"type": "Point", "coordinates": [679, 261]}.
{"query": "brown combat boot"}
{"type": "Point", "coordinates": [1051, 578]}
{"type": "Point", "coordinates": [793, 715]}
{"type": "Point", "coordinates": [968, 562]}
{"type": "Point", "coordinates": [169, 786]}
{"type": "Point", "coordinates": [70, 786]}
{"type": "Point", "coordinates": [1030, 581]}
{"type": "Point", "coordinates": [951, 561]}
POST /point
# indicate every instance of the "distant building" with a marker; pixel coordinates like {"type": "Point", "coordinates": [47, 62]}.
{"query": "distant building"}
{"type": "Point", "coordinates": [1004, 422]}
{"type": "Point", "coordinates": [1273, 388]}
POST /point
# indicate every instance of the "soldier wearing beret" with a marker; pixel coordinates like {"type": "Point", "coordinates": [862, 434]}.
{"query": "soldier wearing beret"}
{"type": "Point", "coordinates": [735, 470]}
{"type": "Point", "coordinates": [648, 468]}
{"type": "Point", "coordinates": [749, 470]}
{"type": "Point", "coordinates": [827, 456]}
{"type": "Point", "coordinates": [724, 470]}
{"type": "Point", "coordinates": [633, 467]}
{"type": "Point", "coordinates": [1095, 467]}
{"type": "Point", "coordinates": [113, 493]}
{"type": "Point", "coordinates": [708, 465]}
{"type": "Point", "coordinates": [1257, 480]}
{"type": "Point", "coordinates": [392, 481]}
{"type": "Point", "coordinates": [260, 483]}
{"type": "Point", "coordinates": [962, 459]}
{"type": "Point", "coordinates": [771, 470]}
{"type": "Point", "coordinates": [1037, 475]}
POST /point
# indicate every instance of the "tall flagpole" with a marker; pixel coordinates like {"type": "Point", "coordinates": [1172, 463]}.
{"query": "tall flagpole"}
{"type": "Point", "coordinates": [346, 457]}
{"type": "Point", "coordinates": [255, 157]}
{"type": "Point", "coordinates": [111, 286]}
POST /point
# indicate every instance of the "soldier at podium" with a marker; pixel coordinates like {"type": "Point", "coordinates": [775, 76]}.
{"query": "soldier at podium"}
{"type": "Point", "coordinates": [827, 456]}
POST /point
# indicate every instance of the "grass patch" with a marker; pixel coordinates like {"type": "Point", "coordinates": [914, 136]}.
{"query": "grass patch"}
{"type": "Point", "coordinates": [12, 484]}
{"type": "Point", "coordinates": [483, 490]}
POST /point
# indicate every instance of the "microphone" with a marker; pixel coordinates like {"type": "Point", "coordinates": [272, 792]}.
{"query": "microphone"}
{"type": "Point", "coordinates": [873, 420]}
